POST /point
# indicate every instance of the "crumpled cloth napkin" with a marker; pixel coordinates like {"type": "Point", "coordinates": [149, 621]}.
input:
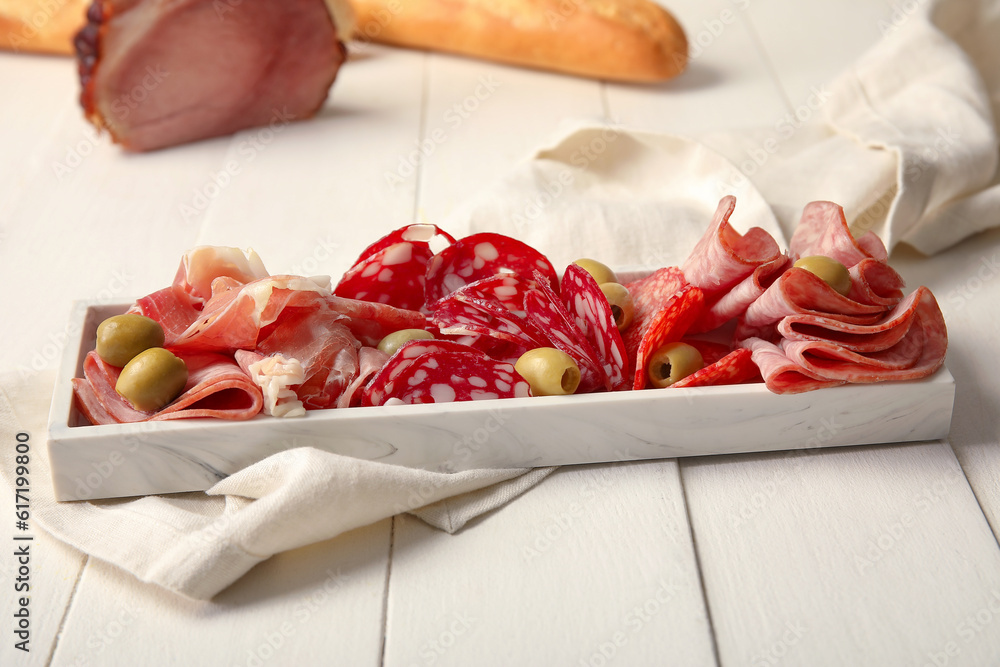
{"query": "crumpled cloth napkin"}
{"type": "Point", "coordinates": [907, 143]}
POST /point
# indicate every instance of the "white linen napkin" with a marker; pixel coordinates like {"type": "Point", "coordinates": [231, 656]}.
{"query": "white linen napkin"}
{"type": "Point", "coordinates": [908, 145]}
{"type": "Point", "coordinates": [908, 141]}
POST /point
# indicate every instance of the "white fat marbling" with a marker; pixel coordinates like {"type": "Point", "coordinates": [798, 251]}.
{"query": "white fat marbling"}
{"type": "Point", "coordinates": [163, 457]}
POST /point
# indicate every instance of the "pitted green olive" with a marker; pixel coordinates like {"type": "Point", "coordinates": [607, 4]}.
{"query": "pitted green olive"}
{"type": "Point", "coordinates": [600, 272]}
{"type": "Point", "coordinates": [121, 337]}
{"type": "Point", "coordinates": [549, 371]}
{"type": "Point", "coordinates": [396, 339]}
{"type": "Point", "coordinates": [673, 362]}
{"type": "Point", "coordinates": [832, 272]}
{"type": "Point", "coordinates": [152, 379]}
{"type": "Point", "coordinates": [622, 306]}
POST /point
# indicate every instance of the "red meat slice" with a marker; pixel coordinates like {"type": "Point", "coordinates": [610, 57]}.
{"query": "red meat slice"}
{"type": "Point", "coordinates": [392, 270]}
{"type": "Point", "coordinates": [803, 365]}
{"type": "Point", "coordinates": [881, 335]}
{"type": "Point", "coordinates": [393, 275]}
{"type": "Point", "coordinates": [238, 316]}
{"type": "Point", "coordinates": [418, 234]}
{"type": "Point", "coordinates": [798, 291]}
{"type": "Point", "coordinates": [823, 230]}
{"type": "Point", "coordinates": [547, 312]}
{"type": "Point", "coordinates": [492, 307]}
{"type": "Point", "coordinates": [592, 315]}
{"type": "Point", "coordinates": [875, 282]}
{"type": "Point", "coordinates": [918, 354]}
{"type": "Point", "coordinates": [723, 257]}
{"type": "Point", "coordinates": [172, 307]}
{"type": "Point", "coordinates": [379, 387]}
{"type": "Point", "coordinates": [668, 325]}
{"type": "Point", "coordinates": [482, 256]}
{"type": "Point", "coordinates": [781, 374]}
{"type": "Point", "coordinates": [371, 360]}
{"type": "Point", "coordinates": [452, 376]}
{"type": "Point", "coordinates": [710, 351]}
{"type": "Point", "coordinates": [734, 303]}
{"type": "Point", "coordinates": [157, 74]}
{"type": "Point", "coordinates": [650, 294]}
{"type": "Point", "coordinates": [325, 348]}
{"type": "Point", "coordinates": [216, 387]}
{"type": "Point", "coordinates": [734, 368]}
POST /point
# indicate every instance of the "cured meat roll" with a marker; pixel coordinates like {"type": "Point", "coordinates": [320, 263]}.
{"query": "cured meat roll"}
{"type": "Point", "coordinates": [157, 74]}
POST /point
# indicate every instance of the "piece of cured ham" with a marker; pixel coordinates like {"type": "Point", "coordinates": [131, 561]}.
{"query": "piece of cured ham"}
{"type": "Point", "coordinates": [159, 73]}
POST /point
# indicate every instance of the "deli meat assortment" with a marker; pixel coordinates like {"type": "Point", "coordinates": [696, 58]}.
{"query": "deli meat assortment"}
{"type": "Point", "coordinates": [461, 314]}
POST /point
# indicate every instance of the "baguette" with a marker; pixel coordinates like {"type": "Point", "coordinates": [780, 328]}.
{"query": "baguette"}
{"type": "Point", "coordinates": [624, 40]}
{"type": "Point", "coordinates": [43, 26]}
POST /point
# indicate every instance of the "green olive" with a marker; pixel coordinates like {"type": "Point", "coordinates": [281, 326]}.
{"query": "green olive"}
{"type": "Point", "coordinates": [549, 371]}
{"type": "Point", "coordinates": [600, 272]}
{"type": "Point", "coordinates": [832, 272]}
{"type": "Point", "coordinates": [121, 337]}
{"type": "Point", "coordinates": [152, 379]}
{"type": "Point", "coordinates": [621, 304]}
{"type": "Point", "coordinates": [673, 362]}
{"type": "Point", "coordinates": [395, 340]}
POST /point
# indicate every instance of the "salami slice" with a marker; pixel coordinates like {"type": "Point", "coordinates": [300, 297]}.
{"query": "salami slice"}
{"type": "Point", "coordinates": [798, 291]}
{"type": "Point", "coordinates": [918, 354]}
{"type": "Point", "coordinates": [377, 390]}
{"type": "Point", "coordinates": [711, 351]}
{"type": "Point", "coordinates": [876, 283]}
{"type": "Point", "coordinates": [668, 325]}
{"type": "Point", "coordinates": [482, 256]}
{"type": "Point", "coordinates": [723, 257]}
{"type": "Point", "coordinates": [592, 314]}
{"type": "Point", "coordinates": [823, 230]}
{"type": "Point", "coordinates": [881, 335]}
{"type": "Point", "coordinates": [392, 275]}
{"type": "Point", "coordinates": [547, 312]}
{"type": "Point", "coordinates": [458, 317]}
{"type": "Point", "coordinates": [781, 374]}
{"type": "Point", "coordinates": [734, 303]}
{"type": "Point", "coordinates": [418, 234]}
{"type": "Point", "coordinates": [736, 367]}
{"type": "Point", "coordinates": [447, 377]}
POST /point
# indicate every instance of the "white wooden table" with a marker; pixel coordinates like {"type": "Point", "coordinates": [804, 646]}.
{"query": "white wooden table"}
{"type": "Point", "coordinates": [879, 555]}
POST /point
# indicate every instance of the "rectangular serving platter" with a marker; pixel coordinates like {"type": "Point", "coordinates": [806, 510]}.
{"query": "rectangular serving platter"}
{"type": "Point", "coordinates": [118, 460]}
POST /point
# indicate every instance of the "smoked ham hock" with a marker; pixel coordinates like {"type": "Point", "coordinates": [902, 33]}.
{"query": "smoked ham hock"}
{"type": "Point", "coordinates": [157, 73]}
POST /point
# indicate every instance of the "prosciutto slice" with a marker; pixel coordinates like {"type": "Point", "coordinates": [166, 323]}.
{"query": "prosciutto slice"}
{"type": "Point", "coordinates": [239, 316]}
{"type": "Point", "coordinates": [157, 74]}
{"type": "Point", "coordinates": [326, 350]}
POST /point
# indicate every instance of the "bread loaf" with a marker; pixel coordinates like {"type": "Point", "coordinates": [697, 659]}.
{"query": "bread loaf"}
{"type": "Point", "coordinates": [625, 40]}
{"type": "Point", "coordinates": [45, 26]}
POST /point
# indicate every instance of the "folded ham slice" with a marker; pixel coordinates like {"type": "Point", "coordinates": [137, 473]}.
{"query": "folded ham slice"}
{"type": "Point", "coordinates": [157, 74]}
{"type": "Point", "coordinates": [732, 269]}
{"type": "Point", "coordinates": [216, 387]}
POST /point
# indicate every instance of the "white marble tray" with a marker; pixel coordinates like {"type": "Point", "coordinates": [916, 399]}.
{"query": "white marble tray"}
{"type": "Point", "coordinates": [118, 460]}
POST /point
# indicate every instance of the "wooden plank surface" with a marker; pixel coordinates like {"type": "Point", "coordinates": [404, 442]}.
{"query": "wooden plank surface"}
{"type": "Point", "coordinates": [593, 566]}
{"type": "Point", "coordinates": [877, 555]}
{"type": "Point", "coordinates": [318, 605]}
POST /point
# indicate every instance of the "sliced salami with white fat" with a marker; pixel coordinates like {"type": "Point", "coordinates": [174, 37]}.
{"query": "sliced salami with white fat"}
{"type": "Point", "coordinates": [592, 314]}
{"type": "Point", "coordinates": [546, 311]}
{"type": "Point", "coordinates": [482, 256]}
